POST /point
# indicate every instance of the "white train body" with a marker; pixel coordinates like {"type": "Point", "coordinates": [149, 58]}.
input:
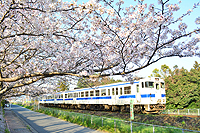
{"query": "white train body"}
{"type": "Point", "coordinates": [148, 94]}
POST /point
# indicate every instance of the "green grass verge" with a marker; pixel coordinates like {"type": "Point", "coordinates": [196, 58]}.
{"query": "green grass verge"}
{"type": "Point", "coordinates": [108, 124]}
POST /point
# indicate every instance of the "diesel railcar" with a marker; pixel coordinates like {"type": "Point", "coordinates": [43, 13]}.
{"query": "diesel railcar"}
{"type": "Point", "coordinates": [148, 94]}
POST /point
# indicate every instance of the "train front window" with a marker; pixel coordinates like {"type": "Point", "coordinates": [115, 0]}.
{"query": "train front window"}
{"type": "Point", "coordinates": [157, 86]}
{"type": "Point", "coordinates": [149, 84]}
{"type": "Point", "coordinates": [162, 85]}
{"type": "Point", "coordinates": [137, 86]}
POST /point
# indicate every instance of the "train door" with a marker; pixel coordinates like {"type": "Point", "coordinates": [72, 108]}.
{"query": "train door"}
{"type": "Point", "coordinates": [157, 91]}
{"type": "Point", "coordinates": [113, 96]}
{"type": "Point", "coordinates": [138, 95]}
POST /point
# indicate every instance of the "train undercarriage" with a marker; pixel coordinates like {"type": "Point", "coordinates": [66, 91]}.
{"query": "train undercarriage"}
{"type": "Point", "coordinates": [156, 108]}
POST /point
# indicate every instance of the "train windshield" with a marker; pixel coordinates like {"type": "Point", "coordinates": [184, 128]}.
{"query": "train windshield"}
{"type": "Point", "coordinates": [149, 84]}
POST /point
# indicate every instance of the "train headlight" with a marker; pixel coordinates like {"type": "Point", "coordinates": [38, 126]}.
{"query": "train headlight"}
{"type": "Point", "coordinates": [163, 100]}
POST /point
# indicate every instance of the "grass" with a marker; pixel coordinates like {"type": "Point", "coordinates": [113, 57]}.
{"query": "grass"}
{"type": "Point", "coordinates": [108, 124]}
{"type": "Point", "coordinates": [28, 127]}
{"type": "Point", "coordinates": [7, 131]}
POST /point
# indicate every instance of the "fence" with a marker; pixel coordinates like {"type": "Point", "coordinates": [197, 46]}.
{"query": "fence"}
{"type": "Point", "coordinates": [110, 124]}
{"type": "Point", "coordinates": [182, 111]}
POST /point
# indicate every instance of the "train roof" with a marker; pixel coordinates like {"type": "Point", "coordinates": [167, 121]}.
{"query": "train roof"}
{"type": "Point", "coordinates": [112, 85]}
{"type": "Point", "coordinates": [102, 86]}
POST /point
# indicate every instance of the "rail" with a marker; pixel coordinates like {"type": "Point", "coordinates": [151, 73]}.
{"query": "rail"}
{"type": "Point", "coordinates": [182, 111]}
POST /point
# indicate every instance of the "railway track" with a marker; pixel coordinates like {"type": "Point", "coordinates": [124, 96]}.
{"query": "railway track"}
{"type": "Point", "coordinates": [192, 116]}
{"type": "Point", "coordinates": [122, 114]}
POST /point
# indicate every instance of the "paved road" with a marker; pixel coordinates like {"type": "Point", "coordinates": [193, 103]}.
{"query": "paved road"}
{"type": "Point", "coordinates": [46, 124]}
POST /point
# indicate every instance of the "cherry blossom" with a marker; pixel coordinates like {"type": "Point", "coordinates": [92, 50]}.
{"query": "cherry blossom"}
{"type": "Point", "coordinates": [42, 41]}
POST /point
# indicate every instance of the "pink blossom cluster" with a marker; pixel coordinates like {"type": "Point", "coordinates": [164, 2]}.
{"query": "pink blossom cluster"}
{"type": "Point", "coordinates": [41, 39]}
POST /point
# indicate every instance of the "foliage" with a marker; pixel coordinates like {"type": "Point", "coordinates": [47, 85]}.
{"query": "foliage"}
{"type": "Point", "coordinates": [3, 102]}
{"type": "Point", "coordinates": [7, 130]}
{"type": "Point", "coordinates": [155, 73]}
{"type": "Point", "coordinates": [85, 83]}
{"type": "Point", "coordinates": [182, 87]}
{"type": "Point", "coordinates": [163, 72]}
{"type": "Point", "coordinates": [196, 66]}
{"type": "Point", "coordinates": [42, 39]}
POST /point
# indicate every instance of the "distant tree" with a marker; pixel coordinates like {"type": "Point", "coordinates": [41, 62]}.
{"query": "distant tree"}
{"type": "Point", "coordinates": [163, 72]}
{"type": "Point", "coordinates": [85, 83]}
{"type": "Point", "coordinates": [183, 88]}
{"type": "Point", "coordinates": [196, 66]}
{"type": "Point", "coordinates": [155, 73]}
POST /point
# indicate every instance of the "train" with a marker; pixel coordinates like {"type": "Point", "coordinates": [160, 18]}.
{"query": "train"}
{"type": "Point", "coordinates": [148, 95]}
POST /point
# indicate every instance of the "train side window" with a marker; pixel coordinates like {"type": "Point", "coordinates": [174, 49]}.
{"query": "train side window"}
{"type": "Point", "coordinates": [91, 93]}
{"type": "Point", "coordinates": [75, 95]}
{"type": "Point", "coordinates": [113, 91]}
{"type": "Point", "coordinates": [97, 92]}
{"type": "Point", "coordinates": [146, 84]}
{"type": "Point", "coordinates": [142, 84]}
{"type": "Point", "coordinates": [86, 94]}
{"type": "Point", "coordinates": [127, 90]}
{"type": "Point", "coordinates": [137, 86]}
{"type": "Point", "coordinates": [70, 95]}
{"type": "Point", "coordinates": [66, 96]}
{"type": "Point", "coordinates": [103, 92]}
{"type": "Point", "coordinates": [116, 91]}
{"type": "Point", "coordinates": [61, 96]}
{"type": "Point", "coordinates": [82, 94]}
{"type": "Point", "coordinates": [108, 92]}
{"type": "Point", "coordinates": [120, 91]}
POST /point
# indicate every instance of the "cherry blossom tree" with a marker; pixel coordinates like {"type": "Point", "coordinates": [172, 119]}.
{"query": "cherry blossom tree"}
{"type": "Point", "coordinates": [44, 39]}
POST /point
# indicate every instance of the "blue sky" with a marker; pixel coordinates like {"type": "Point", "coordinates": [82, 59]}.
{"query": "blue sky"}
{"type": "Point", "coordinates": [188, 62]}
